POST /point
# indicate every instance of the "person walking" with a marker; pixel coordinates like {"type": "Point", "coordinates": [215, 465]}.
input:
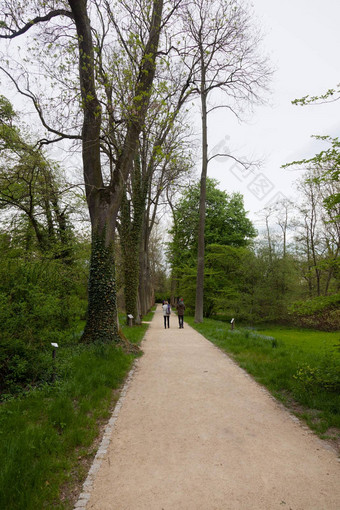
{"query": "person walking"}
{"type": "Point", "coordinates": [166, 313]}
{"type": "Point", "coordinates": [180, 312]}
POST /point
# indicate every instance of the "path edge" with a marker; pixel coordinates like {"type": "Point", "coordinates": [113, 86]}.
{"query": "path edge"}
{"type": "Point", "coordinates": [299, 422]}
{"type": "Point", "coordinates": [87, 486]}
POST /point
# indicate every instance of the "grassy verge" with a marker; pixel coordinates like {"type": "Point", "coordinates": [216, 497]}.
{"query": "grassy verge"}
{"type": "Point", "coordinates": [47, 435]}
{"type": "Point", "coordinates": [135, 334]}
{"type": "Point", "coordinates": [299, 367]}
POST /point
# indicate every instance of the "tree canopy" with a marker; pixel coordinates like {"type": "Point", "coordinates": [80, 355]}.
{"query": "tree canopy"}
{"type": "Point", "coordinates": [226, 219]}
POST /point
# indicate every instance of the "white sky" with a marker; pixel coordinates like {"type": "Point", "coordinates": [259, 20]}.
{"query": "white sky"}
{"type": "Point", "coordinates": [303, 42]}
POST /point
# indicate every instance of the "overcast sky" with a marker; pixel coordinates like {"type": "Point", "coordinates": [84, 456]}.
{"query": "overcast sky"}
{"type": "Point", "coordinates": [303, 40]}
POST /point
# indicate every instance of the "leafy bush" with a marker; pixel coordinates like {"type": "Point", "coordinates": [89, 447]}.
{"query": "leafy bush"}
{"type": "Point", "coordinates": [21, 365]}
{"type": "Point", "coordinates": [322, 313]}
{"type": "Point", "coordinates": [41, 301]}
{"type": "Point", "coordinates": [318, 304]}
{"type": "Point", "coordinates": [324, 376]}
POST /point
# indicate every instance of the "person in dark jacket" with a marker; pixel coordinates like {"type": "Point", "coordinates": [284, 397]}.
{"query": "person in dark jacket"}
{"type": "Point", "coordinates": [180, 312]}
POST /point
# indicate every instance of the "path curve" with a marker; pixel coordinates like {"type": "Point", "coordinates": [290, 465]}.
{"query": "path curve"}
{"type": "Point", "coordinates": [195, 432]}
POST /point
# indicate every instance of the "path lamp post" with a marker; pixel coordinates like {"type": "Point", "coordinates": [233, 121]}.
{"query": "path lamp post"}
{"type": "Point", "coordinates": [54, 353]}
{"type": "Point", "coordinates": [232, 322]}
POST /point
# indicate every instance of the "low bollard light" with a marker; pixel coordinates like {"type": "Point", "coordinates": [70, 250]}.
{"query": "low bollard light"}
{"type": "Point", "coordinates": [54, 353]}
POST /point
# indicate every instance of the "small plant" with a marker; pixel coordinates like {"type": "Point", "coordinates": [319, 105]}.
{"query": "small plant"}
{"type": "Point", "coordinates": [326, 376]}
{"type": "Point", "coordinates": [307, 377]}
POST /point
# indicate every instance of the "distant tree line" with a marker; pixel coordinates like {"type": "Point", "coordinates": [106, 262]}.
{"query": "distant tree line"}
{"type": "Point", "coordinates": [288, 273]}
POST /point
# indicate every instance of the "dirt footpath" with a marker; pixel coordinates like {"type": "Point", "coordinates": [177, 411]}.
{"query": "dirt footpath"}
{"type": "Point", "coordinates": [195, 432]}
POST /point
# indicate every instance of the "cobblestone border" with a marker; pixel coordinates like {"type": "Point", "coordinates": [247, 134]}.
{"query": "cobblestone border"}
{"type": "Point", "coordinates": [85, 495]}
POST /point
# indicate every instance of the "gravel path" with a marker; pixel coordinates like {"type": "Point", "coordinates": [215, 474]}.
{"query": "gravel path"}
{"type": "Point", "coordinates": [194, 432]}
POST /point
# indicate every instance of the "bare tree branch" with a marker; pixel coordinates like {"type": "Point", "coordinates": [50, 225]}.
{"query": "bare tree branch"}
{"type": "Point", "coordinates": [33, 22]}
{"type": "Point", "coordinates": [35, 102]}
{"type": "Point", "coordinates": [243, 163]}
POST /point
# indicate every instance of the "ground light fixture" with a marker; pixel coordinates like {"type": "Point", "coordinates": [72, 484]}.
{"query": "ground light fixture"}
{"type": "Point", "coordinates": [54, 353]}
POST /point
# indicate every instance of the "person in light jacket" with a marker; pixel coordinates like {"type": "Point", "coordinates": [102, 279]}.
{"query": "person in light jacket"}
{"type": "Point", "coordinates": [166, 314]}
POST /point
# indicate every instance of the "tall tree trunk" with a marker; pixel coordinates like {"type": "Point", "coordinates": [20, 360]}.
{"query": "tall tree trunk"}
{"type": "Point", "coordinates": [65, 234]}
{"type": "Point", "coordinates": [144, 275]}
{"type": "Point", "coordinates": [101, 322]}
{"type": "Point", "coordinates": [102, 203]}
{"type": "Point", "coordinates": [131, 230]}
{"type": "Point", "coordinates": [130, 243]}
{"type": "Point", "coordinates": [313, 221]}
{"type": "Point", "coordinates": [270, 249]}
{"type": "Point", "coordinates": [141, 285]}
{"type": "Point", "coordinates": [145, 290]}
{"type": "Point", "coordinates": [309, 263]}
{"type": "Point", "coordinates": [202, 206]}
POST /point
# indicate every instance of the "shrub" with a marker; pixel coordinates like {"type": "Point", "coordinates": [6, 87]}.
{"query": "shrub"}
{"type": "Point", "coordinates": [322, 313]}
{"type": "Point", "coordinates": [40, 302]}
{"type": "Point", "coordinates": [21, 365]}
{"type": "Point", "coordinates": [325, 376]}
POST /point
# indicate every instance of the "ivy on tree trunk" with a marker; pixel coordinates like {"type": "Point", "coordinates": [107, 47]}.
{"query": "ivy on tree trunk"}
{"type": "Point", "coordinates": [101, 322]}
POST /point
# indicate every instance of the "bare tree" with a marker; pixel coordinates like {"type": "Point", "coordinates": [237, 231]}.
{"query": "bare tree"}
{"type": "Point", "coordinates": [283, 209]}
{"type": "Point", "coordinates": [319, 232]}
{"type": "Point", "coordinates": [222, 52]}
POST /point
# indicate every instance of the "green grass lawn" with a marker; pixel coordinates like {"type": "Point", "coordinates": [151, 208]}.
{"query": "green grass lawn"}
{"type": "Point", "coordinates": [47, 435]}
{"type": "Point", "coordinates": [300, 367]}
{"type": "Point", "coordinates": [307, 341]}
